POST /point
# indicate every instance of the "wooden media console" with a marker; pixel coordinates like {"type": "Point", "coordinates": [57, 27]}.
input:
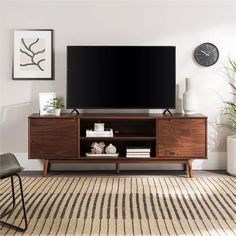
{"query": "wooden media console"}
{"type": "Point", "coordinates": [178, 138]}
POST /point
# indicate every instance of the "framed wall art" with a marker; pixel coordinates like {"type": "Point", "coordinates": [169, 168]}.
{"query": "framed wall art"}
{"type": "Point", "coordinates": [45, 103]}
{"type": "Point", "coordinates": [33, 56]}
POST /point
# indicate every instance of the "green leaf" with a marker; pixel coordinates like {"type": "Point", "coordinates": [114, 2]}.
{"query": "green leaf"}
{"type": "Point", "coordinates": [229, 108]}
{"type": "Point", "coordinates": [58, 103]}
{"type": "Point", "coordinates": [233, 64]}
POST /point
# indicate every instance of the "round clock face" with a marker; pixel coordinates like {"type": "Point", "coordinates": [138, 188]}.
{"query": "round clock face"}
{"type": "Point", "coordinates": [206, 54]}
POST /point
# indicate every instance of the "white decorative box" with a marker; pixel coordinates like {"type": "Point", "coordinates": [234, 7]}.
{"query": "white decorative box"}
{"type": "Point", "coordinates": [105, 133]}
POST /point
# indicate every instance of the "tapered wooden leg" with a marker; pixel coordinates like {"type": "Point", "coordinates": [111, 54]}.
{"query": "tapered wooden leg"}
{"type": "Point", "coordinates": [190, 171]}
{"type": "Point", "coordinates": [185, 167]}
{"type": "Point", "coordinates": [45, 168]}
{"type": "Point", "coordinates": [117, 168]}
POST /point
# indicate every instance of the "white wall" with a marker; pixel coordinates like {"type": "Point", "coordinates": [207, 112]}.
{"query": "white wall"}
{"type": "Point", "coordinates": [185, 24]}
{"type": "Point", "coordinates": [1, 74]}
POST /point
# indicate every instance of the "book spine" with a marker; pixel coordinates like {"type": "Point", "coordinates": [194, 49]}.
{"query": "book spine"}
{"type": "Point", "coordinates": [138, 150]}
{"type": "Point", "coordinates": [137, 155]}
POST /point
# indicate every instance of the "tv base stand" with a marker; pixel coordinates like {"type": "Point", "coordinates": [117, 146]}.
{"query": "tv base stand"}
{"type": "Point", "coordinates": [167, 111]}
{"type": "Point", "coordinates": [74, 110]}
{"type": "Point", "coordinates": [171, 139]}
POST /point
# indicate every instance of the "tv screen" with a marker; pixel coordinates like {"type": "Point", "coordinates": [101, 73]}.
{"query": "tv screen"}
{"type": "Point", "coordinates": [120, 77]}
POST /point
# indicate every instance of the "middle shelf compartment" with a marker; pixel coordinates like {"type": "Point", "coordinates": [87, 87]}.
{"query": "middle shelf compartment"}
{"type": "Point", "coordinates": [121, 145]}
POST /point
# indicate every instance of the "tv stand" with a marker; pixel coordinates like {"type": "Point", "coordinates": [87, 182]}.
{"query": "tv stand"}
{"type": "Point", "coordinates": [74, 110]}
{"type": "Point", "coordinates": [172, 139]}
{"type": "Point", "coordinates": [167, 111]}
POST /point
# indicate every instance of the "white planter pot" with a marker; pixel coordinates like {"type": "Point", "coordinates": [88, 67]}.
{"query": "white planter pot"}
{"type": "Point", "coordinates": [57, 112]}
{"type": "Point", "coordinates": [231, 155]}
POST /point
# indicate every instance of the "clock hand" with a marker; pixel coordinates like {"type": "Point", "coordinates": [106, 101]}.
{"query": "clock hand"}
{"type": "Point", "coordinates": [211, 51]}
{"type": "Point", "coordinates": [205, 53]}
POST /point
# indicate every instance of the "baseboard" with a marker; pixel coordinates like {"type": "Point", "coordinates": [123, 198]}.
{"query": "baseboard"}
{"type": "Point", "coordinates": [215, 161]}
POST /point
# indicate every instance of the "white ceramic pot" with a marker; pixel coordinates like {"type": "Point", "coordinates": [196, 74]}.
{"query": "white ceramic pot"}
{"type": "Point", "coordinates": [57, 111]}
{"type": "Point", "coordinates": [189, 98]}
{"type": "Point", "coordinates": [110, 149]}
{"type": "Point", "coordinates": [231, 155]}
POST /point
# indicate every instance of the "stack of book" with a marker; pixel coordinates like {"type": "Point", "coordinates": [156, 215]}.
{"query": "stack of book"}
{"type": "Point", "coordinates": [105, 133]}
{"type": "Point", "coordinates": [138, 152]}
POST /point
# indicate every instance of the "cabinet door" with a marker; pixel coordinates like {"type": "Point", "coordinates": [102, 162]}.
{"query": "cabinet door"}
{"type": "Point", "coordinates": [182, 138]}
{"type": "Point", "coordinates": [53, 138]}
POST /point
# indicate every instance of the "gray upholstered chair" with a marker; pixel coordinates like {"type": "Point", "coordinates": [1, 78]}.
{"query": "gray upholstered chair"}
{"type": "Point", "coordinates": [9, 167]}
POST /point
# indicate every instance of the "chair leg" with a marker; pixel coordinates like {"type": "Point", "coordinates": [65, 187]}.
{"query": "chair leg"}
{"type": "Point", "coordinates": [23, 207]}
{"type": "Point", "coordinates": [13, 200]}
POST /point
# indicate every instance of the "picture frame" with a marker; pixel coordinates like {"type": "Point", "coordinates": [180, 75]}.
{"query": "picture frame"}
{"type": "Point", "coordinates": [33, 55]}
{"type": "Point", "coordinates": [45, 103]}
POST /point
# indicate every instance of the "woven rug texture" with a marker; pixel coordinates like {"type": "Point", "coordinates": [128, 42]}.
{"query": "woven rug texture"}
{"type": "Point", "coordinates": [123, 206]}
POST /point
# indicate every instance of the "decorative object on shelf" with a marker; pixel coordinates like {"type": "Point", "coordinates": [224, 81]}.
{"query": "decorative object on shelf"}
{"type": "Point", "coordinates": [99, 127]}
{"type": "Point", "coordinates": [206, 54]}
{"type": "Point", "coordinates": [57, 103]}
{"type": "Point", "coordinates": [33, 55]}
{"type": "Point", "coordinates": [45, 103]}
{"type": "Point", "coordinates": [98, 148]}
{"type": "Point", "coordinates": [138, 152]}
{"type": "Point", "coordinates": [110, 149]}
{"type": "Point", "coordinates": [189, 98]}
{"type": "Point", "coordinates": [229, 110]}
{"type": "Point", "coordinates": [105, 133]}
{"type": "Point", "coordinates": [89, 154]}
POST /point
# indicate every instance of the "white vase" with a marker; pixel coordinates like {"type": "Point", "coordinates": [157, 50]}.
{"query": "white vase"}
{"type": "Point", "coordinates": [57, 111]}
{"type": "Point", "coordinates": [231, 155]}
{"type": "Point", "coordinates": [189, 98]}
{"type": "Point", "coordinates": [110, 149]}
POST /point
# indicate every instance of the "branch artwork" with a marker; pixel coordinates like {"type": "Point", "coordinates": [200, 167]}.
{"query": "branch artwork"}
{"type": "Point", "coordinates": [32, 54]}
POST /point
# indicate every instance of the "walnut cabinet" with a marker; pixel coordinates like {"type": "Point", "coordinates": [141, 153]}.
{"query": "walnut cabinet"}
{"type": "Point", "coordinates": [176, 138]}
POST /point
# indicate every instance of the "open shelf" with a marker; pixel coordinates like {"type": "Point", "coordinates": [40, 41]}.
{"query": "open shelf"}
{"type": "Point", "coordinates": [119, 158]}
{"type": "Point", "coordinates": [120, 145]}
{"type": "Point", "coordinates": [122, 128]}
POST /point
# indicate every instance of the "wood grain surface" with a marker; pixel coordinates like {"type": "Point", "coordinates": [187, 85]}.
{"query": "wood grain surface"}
{"type": "Point", "coordinates": [53, 138]}
{"type": "Point", "coordinates": [178, 138]}
{"type": "Point", "coordinates": [182, 138]}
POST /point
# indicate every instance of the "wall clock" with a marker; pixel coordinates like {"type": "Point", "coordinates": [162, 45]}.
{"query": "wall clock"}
{"type": "Point", "coordinates": [206, 54]}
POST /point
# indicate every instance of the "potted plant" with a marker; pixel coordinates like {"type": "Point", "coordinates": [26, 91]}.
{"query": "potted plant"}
{"type": "Point", "coordinates": [57, 103]}
{"type": "Point", "coordinates": [229, 110]}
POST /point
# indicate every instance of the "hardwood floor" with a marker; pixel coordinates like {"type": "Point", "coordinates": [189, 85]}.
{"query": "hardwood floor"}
{"type": "Point", "coordinates": [127, 173]}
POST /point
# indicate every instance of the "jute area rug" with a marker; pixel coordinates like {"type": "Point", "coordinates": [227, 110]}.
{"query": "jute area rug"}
{"type": "Point", "coordinates": [124, 206]}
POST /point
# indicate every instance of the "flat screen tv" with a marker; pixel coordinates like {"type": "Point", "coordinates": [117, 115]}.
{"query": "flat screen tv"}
{"type": "Point", "coordinates": [120, 77]}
